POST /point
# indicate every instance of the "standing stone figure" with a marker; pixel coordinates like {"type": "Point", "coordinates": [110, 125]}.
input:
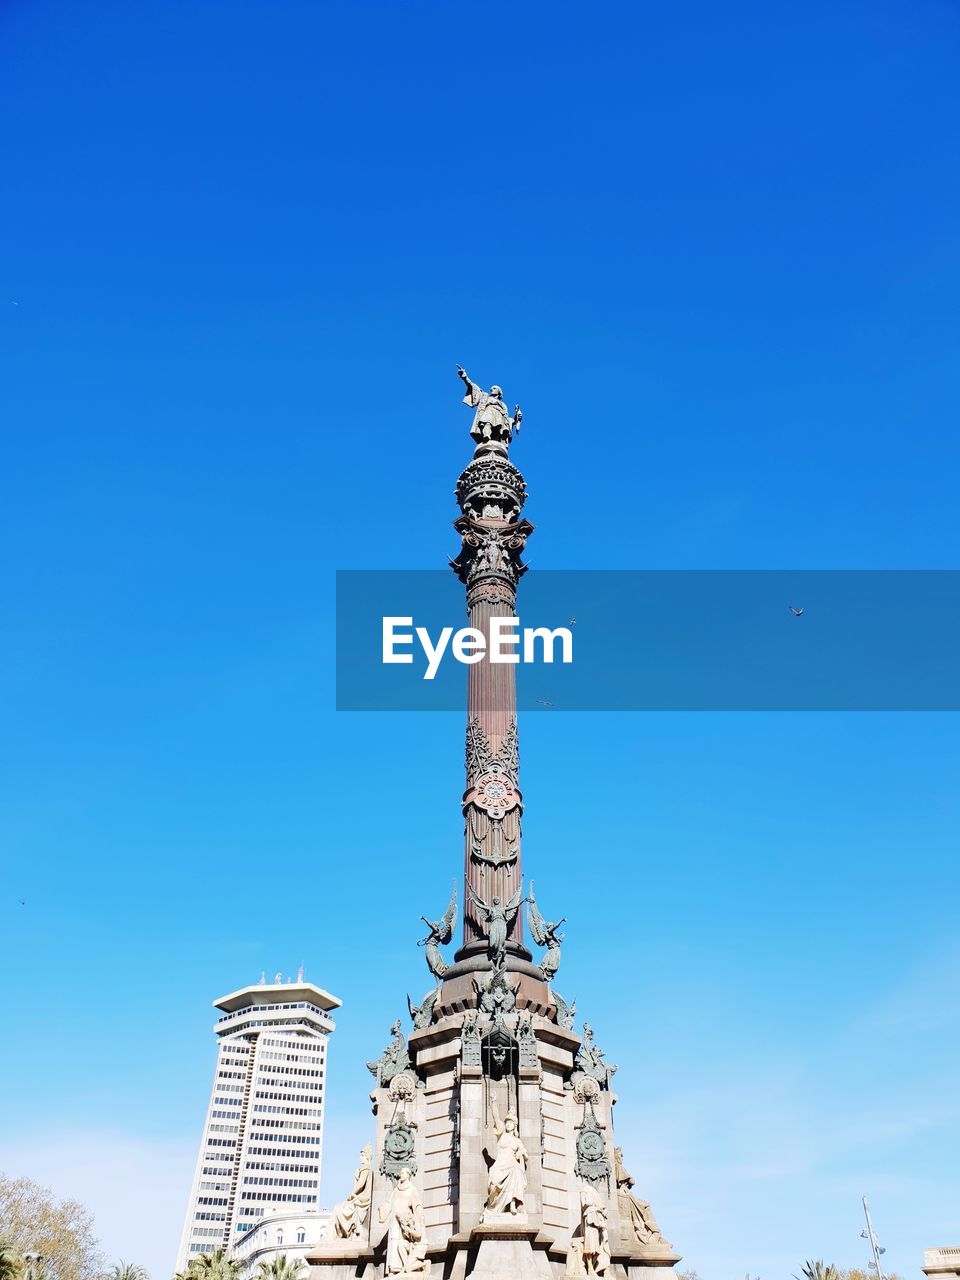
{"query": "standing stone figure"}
{"type": "Point", "coordinates": [507, 1186]}
{"type": "Point", "coordinates": [350, 1216]}
{"type": "Point", "coordinates": [406, 1243]}
{"type": "Point", "coordinates": [636, 1216]}
{"type": "Point", "coordinates": [491, 421]}
{"type": "Point", "coordinates": [545, 935]}
{"type": "Point", "coordinates": [441, 931]}
{"type": "Point", "coordinates": [596, 1239]}
{"type": "Point", "coordinates": [498, 920]}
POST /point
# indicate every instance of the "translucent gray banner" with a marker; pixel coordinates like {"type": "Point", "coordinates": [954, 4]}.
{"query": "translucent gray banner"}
{"type": "Point", "coordinates": [767, 640]}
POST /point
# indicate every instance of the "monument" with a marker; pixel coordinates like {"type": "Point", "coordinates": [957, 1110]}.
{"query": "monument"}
{"type": "Point", "coordinates": [494, 1151]}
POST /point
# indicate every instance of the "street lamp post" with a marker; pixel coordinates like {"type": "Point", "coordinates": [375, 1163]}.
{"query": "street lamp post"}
{"type": "Point", "coordinates": [870, 1235]}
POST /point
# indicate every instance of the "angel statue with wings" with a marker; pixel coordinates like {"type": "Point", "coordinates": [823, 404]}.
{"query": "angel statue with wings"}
{"type": "Point", "coordinates": [545, 935]}
{"type": "Point", "coordinates": [393, 1060]}
{"type": "Point", "coordinates": [441, 931]}
{"type": "Point", "coordinates": [498, 921]}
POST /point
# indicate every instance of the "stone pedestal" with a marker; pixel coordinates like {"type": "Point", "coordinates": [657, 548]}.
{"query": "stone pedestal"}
{"type": "Point", "coordinates": [343, 1260]}
{"type": "Point", "coordinates": [455, 1144]}
{"type": "Point", "coordinates": [500, 1251]}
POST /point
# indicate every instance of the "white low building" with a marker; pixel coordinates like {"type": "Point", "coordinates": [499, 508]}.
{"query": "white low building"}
{"type": "Point", "coordinates": [942, 1264]}
{"type": "Point", "coordinates": [292, 1234]}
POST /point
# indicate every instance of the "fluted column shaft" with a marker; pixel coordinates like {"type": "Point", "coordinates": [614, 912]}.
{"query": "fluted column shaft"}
{"type": "Point", "coordinates": [491, 493]}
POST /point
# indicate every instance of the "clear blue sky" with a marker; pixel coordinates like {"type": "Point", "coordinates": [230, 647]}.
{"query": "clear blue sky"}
{"type": "Point", "coordinates": [714, 251]}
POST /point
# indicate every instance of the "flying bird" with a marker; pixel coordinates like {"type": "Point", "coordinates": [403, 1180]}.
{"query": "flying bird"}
{"type": "Point", "coordinates": [542, 702]}
{"type": "Point", "coordinates": [573, 622]}
{"type": "Point", "coordinates": [797, 613]}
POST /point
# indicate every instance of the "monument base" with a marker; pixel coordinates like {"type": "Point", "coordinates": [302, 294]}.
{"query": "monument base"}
{"type": "Point", "coordinates": [499, 1251]}
{"type": "Point", "coordinates": [503, 1220]}
{"type": "Point", "coordinates": [643, 1267]}
{"type": "Point", "coordinates": [344, 1260]}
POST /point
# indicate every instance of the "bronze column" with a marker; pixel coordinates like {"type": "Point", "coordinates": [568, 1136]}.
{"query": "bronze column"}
{"type": "Point", "coordinates": [491, 493]}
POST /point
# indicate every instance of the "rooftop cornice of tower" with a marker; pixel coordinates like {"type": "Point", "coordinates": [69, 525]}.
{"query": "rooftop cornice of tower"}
{"type": "Point", "coordinates": [277, 993]}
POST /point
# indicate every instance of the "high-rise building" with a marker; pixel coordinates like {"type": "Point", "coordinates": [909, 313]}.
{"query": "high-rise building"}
{"type": "Point", "coordinates": [263, 1138]}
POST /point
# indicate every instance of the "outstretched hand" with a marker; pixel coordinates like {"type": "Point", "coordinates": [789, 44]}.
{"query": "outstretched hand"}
{"type": "Point", "coordinates": [461, 372]}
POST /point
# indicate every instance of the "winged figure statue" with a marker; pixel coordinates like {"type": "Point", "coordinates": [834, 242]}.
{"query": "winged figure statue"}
{"type": "Point", "coordinates": [590, 1060]}
{"type": "Point", "coordinates": [565, 1012]}
{"type": "Point", "coordinates": [393, 1060]}
{"type": "Point", "coordinates": [498, 920]}
{"type": "Point", "coordinates": [422, 1014]}
{"type": "Point", "coordinates": [545, 935]}
{"type": "Point", "coordinates": [441, 931]}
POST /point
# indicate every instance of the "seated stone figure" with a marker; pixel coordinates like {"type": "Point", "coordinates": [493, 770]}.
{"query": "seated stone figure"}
{"type": "Point", "coordinates": [350, 1216]}
{"type": "Point", "coordinates": [636, 1216]}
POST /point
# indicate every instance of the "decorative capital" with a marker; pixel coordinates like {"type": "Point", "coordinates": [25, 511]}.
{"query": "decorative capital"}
{"type": "Point", "coordinates": [491, 488]}
{"type": "Point", "coordinates": [490, 555]}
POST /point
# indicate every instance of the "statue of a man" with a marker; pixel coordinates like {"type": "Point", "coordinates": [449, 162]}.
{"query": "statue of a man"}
{"type": "Point", "coordinates": [596, 1237]}
{"type": "Point", "coordinates": [491, 422]}
{"type": "Point", "coordinates": [406, 1238]}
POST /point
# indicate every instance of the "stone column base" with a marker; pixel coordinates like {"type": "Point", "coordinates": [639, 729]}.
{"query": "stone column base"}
{"type": "Point", "coordinates": [343, 1260]}
{"type": "Point", "coordinates": [491, 1251]}
{"type": "Point", "coordinates": [645, 1264]}
{"type": "Point", "coordinates": [501, 1251]}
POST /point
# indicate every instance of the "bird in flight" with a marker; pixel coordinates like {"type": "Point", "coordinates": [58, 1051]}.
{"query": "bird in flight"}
{"type": "Point", "coordinates": [573, 622]}
{"type": "Point", "coordinates": [797, 613]}
{"type": "Point", "coordinates": [542, 702]}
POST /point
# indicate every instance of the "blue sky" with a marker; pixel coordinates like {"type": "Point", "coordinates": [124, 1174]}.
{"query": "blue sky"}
{"type": "Point", "coordinates": [713, 250]}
